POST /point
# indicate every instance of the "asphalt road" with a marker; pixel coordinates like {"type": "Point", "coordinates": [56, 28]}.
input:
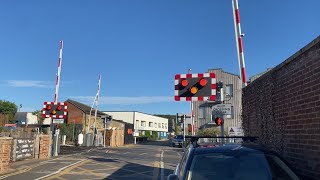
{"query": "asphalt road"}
{"type": "Point", "coordinates": [153, 160]}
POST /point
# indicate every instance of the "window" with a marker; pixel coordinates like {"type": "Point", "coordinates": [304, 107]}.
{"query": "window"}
{"type": "Point", "coordinates": [159, 125]}
{"type": "Point", "coordinates": [202, 112]}
{"type": "Point", "coordinates": [155, 125]}
{"type": "Point", "coordinates": [143, 123]}
{"type": "Point", "coordinates": [137, 123]}
{"type": "Point", "coordinates": [162, 125]}
{"type": "Point", "coordinates": [231, 116]}
{"type": "Point", "coordinates": [229, 89]}
{"type": "Point", "coordinates": [166, 125]}
{"type": "Point", "coordinates": [150, 124]}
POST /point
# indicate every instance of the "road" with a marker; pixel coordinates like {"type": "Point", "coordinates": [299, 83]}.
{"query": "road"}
{"type": "Point", "coordinates": [152, 160]}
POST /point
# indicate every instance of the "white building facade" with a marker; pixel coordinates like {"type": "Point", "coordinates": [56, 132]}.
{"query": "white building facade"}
{"type": "Point", "coordinates": [142, 122]}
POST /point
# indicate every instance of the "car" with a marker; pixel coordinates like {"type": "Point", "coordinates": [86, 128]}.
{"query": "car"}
{"type": "Point", "coordinates": [231, 161]}
{"type": "Point", "coordinates": [177, 141]}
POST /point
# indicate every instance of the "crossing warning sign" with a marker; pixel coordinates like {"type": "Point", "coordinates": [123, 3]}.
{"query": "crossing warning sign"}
{"type": "Point", "coordinates": [231, 131]}
{"type": "Point", "coordinates": [235, 131]}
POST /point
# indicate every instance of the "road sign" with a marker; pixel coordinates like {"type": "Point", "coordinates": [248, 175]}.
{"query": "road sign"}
{"type": "Point", "coordinates": [57, 121]}
{"type": "Point", "coordinates": [195, 87]}
{"type": "Point", "coordinates": [235, 131]}
{"type": "Point", "coordinates": [225, 109]}
{"type": "Point", "coordinates": [232, 131]}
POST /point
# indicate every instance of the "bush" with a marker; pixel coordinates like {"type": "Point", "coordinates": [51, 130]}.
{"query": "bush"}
{"type": "Point", "coordinates": [209, 132]}
{"type": "Point", "coordinates": [154, 135]}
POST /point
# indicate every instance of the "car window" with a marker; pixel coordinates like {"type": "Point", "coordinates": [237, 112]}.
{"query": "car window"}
{"type": "Point", "coordinates": [230, 166]}
{"type": "Point", "coordinates": [279, 170]}
{"type": "Point", "coordinates": [183, 162]}
{"type": "Point", "coordinates": [178, 137]}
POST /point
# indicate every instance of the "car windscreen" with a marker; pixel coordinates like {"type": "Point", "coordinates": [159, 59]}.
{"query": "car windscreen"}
{"type": "Point", "coordinates": [238, 166]}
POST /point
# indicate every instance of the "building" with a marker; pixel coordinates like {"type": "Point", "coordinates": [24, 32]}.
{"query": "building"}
{"type": "Point", "coordinates": [232, 86]}
{"type": "Point", "coordinates": [118, 133]}
{"type": "Point", "coordinates": [79, 114]}
{"type": "Point", "coordinates": [27, 118]}
{"type": "Point", "coordinates": [142, 122]}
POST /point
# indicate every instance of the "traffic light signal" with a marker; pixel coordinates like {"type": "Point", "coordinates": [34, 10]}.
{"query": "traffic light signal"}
{"type": "Point", "coordinates": [219, 121]}
{"type": "Point", "coordinates": [54, 110]}
{"type": "Point", "coordinates": [189, 128]}
{"type": "Point", "coordinates": [182, 118]}
{"type": "Point", "coordinates": [195, 87]}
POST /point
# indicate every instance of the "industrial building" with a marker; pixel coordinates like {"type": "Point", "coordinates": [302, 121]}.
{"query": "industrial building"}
{"type": "Point", "coordinates": [142, 122]}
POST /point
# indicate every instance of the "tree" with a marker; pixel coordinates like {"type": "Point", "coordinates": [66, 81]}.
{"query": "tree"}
{"type": "Point", "coordinates": [38, 113]}
{"type": "Point", "coordinates": [8, 108]}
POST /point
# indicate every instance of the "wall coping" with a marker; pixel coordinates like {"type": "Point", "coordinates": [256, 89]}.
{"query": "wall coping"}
{"type": "Point", "coordinates": [291, 58]}
{"type": "Point", "coordinates": [4, 138]}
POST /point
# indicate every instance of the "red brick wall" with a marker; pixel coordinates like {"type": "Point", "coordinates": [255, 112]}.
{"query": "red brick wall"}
{"type": "Point", "coordinates": [283, 108]}
{"type": "Point", "coordinates": [44, 147]}
{"type": "Point", "coordinates": [74, 114]}
{"type": "Point", "coordinates": [5, 152]}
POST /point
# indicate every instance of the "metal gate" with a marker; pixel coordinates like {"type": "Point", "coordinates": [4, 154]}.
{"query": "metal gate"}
{"type": "Point", "coordinates": [23, 148]}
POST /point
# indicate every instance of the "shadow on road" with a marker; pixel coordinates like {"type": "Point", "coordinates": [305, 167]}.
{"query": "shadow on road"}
{"type": "Point", "coordinates": [133, 171]}
{"type": "Point", "coordinates": [155, 143]}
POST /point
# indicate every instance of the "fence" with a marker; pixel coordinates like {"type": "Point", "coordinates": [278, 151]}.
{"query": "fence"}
{"type": "Point", "coordinates": [23, 148]}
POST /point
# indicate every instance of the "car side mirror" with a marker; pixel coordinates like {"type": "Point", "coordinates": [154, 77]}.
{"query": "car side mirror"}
{"type": "Point", "coordinates": [172, 177]}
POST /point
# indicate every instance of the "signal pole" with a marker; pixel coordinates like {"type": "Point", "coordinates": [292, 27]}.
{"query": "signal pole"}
{"type": "Point", "coordinates": [192, 113]}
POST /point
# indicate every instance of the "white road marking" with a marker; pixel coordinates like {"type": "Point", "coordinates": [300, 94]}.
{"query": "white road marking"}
{"type": "Point", "coordinates": [61, 169]}
{"type": "Point", "coordinates": [162, 166]}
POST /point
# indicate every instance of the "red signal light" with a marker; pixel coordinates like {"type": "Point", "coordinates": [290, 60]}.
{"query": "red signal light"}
{"type": "Point", "coordinates": [48, 107]}
{"type": "Point", "coordinates": [203, 82]}
{"type": "Point", "coordinates": [184, 82]}
{"type": "Point", "coordinates": [218, 121]}
{"type": "Point", "coordinates": [59, 108]}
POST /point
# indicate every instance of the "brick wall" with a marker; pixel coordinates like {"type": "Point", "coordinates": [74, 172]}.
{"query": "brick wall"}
{"type": "Point", "coordinates": [282, 107]}
{"type": "Point", "coordinates": [5, 152]}
{"type": "Point", "coordinates": [75, 114]}
{"type": "Point", "coordinates": [44, 147]}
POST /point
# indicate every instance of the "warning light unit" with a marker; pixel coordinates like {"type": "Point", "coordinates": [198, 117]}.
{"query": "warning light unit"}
{"type": "Point", "coordinates": [195, 87]}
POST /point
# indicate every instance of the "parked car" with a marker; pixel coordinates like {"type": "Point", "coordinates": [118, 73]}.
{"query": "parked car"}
{"type": "Point", "coordinates": [177, 141]}
{"type": "Point", "coordinates": [209, 161]}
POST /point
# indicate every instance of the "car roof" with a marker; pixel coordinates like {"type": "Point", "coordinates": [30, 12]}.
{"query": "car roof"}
{"type": "Point", "coordinates": [215, 148]}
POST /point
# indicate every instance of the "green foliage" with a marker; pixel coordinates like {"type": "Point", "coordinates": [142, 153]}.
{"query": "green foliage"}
{"type": "Point", "coordinates": [208, 132]}
{"type": "Point", "coordinates": [3, 129]}
{"type": "Point", "coordinates": [148, 133]}
{"type": "Point", "coordinates": [152, 135]}
{"type": "Point", "coordinates": [8, 108]}
{"type": "Point", "coordinates": [70, 130]}
{"type": "Point", "coordinates": [38, 113]}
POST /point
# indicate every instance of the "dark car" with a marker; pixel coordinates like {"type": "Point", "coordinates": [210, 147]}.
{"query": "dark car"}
{"type": "Point", "coordinates": [177, 141]}
{"type": "Point", "coordinates": [231, 162]}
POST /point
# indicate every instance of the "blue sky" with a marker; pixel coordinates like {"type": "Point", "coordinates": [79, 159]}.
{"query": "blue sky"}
{"type": "Point", "coordinates": [138, 46]}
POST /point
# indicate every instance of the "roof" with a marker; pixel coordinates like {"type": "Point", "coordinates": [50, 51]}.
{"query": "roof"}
{"type": "Point", "coordinates": [229, 148]}
{"type": "Point", "coordinates": [220, 69]}
{"type": "Point", "coordinates": [135, 112]}
{"type": "Point", "coordinates": [85, 108]}
{"type": "Point", "coordinates": [20, 116]}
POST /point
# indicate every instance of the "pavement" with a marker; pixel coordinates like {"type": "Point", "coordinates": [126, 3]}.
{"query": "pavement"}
{"type": "Point", "coordinates": [152, 160]}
